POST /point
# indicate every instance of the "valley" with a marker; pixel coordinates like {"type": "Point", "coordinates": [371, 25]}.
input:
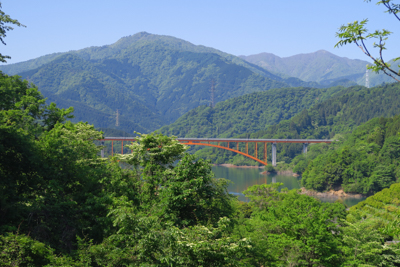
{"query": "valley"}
{"type": "Point", "coordinates": [101, 161]}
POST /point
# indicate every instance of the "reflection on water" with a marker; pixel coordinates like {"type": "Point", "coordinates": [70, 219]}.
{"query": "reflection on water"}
{"type": "Point", "coordinates": [243, 178]}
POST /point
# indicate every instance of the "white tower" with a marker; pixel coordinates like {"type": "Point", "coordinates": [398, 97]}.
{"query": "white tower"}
{"type": "Point", "coordinates": [366, 79]}
{"type": "Point", "coordinates": [117, 119]}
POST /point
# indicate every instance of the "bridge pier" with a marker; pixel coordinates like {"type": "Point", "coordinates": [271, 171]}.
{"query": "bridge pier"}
{"type": "Point", "coordinates": [208, 141]}
{"type": "Point", "coordinates": [305, 148]}
{"type": "Point", "coordinates": [274, 154]}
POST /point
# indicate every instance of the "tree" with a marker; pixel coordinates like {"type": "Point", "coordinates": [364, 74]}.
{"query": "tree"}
{"type": "Point", "coordinates": [363, 246]}
{"type": "Point", "coordinates": [289, 229]}
{"type": "Point", "coordinates": [192, 196]}
{"type": "Point", "coordinates": [5, 19]}
{"type": "Point", "coordinates": [177, 186]}
{"type": "Point", "coordinates": [357, 33]}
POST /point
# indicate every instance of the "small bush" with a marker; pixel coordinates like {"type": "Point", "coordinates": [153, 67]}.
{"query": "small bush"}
{"type": "Point", "coordinates": [21, 250]}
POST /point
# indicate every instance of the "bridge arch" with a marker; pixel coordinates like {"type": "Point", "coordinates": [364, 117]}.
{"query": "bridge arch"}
{"type": "Point", "coordinates": [208, 141]}
{"type": "Point", "coordinates": [226, 148]}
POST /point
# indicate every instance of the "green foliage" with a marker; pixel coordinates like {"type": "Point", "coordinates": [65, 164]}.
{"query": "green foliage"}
{"type": "Point", "coordinates": [382, 207]}
{"type": "Point", "coordinates": [380, 78]}
{"type": "Point", "coordinates": [340, 114]}
{"type": "Point", "coordinates": [178, 188]}
{"type": "Point", "coordinates": [148, 243]}
{"type": "Point", "coordinates": [6, 19]}
{"type": "Point", "coordinates": [363, 246]}
{"type": "Point", "coordinates": [152, 80]}
{"type": "Point", "coordinates": [357, 33]}
{"type": "Point", "coordinates": [270, 168]}
{"type": "Point", "coordinates": [21, 250]}
{"type": "Point", "coordinates": [393, 227]}
{"type": "Point", "coordinates": [51, 177]}
{"type": "Point", "coordinates": [262, 195]}
{"type": "Point", "coordinates": [58, 190]}
{"type": "Point", "coordinates": [23, 107]}
{"type": "Point", "coordinates": [192, 196]}
{"type": "Point", "coordinates": [248, 113]}
{"type": "Point", "coordinates": [63, 205]}
{"type": "Point", "coordinates": [365, 163]}
{"type": "Point", "coordinates": [289, 229]}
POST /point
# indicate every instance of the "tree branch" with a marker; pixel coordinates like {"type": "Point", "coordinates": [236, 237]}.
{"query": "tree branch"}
{"type": "Point", "coordinates": [366, 52]}
{"type": "Point", "coordinates": [387, 4]}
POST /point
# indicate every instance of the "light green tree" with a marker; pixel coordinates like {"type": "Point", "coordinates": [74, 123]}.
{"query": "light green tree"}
{"type": "Point", "coordinates": [289, 229]}
{"type": "Point", "coordinates": [356, 32]}
{"type": "Point", "coordinates": [364, 246]}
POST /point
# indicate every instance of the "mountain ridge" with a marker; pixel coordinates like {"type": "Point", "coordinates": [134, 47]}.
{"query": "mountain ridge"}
{"type": "Point", "coordinates": [320, 66]}
{"type": "Point", "coordinates": [151, 79]}
{"type": "Point", "coordinates": [148, 78]}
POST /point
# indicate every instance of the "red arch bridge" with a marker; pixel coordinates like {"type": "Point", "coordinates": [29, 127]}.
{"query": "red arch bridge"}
{"type": "Point", "coordinates": [229, 144]}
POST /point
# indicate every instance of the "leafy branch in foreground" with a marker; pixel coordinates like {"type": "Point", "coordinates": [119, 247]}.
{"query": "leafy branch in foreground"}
{"type": "Point", "coordinates": [4, 19]}
{"type": "Point", "coordinates": [357, 33]}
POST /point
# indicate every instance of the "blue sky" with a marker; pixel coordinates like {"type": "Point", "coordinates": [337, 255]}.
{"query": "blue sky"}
{"type": "Point", "coordinates": [284, 28]}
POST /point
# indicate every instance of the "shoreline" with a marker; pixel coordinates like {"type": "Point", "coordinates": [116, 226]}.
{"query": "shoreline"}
{"type": "Point", "coordinates": [332, 194]}
{"type": "Point", "coordinates": [286, 172]}
{"type": "Point", "coordinates": [229, 165]}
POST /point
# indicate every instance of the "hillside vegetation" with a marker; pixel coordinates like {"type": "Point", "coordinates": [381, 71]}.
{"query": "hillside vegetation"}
{"type": "Point", "coordinates": [381, 208]}
{"type": "Point", "coordinates": [340, 114]}
{"type": "Point", "coordinates": [63, 205]}
{"type": "Point", "coordinates": [367, 162]}
{"type": "Point", "coordinates": [248, 113]}
{"type": "Point", "coordinates": [152, 80]}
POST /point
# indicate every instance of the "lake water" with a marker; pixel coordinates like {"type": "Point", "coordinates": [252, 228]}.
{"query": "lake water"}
{"type": "Point", "coordinates": [242, 178]}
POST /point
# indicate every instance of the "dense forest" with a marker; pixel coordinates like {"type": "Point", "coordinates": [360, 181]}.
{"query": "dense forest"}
{"type": "Point", "coordinates": [366, 162]}
{"type": "Point", "coordinates": [62, 205]}
{"type": "Point", "coordinates": [249, 113]}
{"type": "Point", "coordinates": [150, 79]}
{"type": "Point", "coordinates": [337, 115]}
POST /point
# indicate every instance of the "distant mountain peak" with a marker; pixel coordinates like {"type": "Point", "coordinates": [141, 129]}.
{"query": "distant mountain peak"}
{"type": "Point", "coordinates": [321, 66]}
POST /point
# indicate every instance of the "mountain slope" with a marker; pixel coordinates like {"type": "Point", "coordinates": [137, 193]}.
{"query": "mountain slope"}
{"type": "Point", "coordinates": [321, 66]}
{"type": "Point", "coordinates": [340, 114]}
{"type": "Point", "coordinates": [379, 78]}
{"type": "Point", "coordinates": [71, 80]}
{"type": "Point", "coordinates": [247, 113]}
{"type": "Point", "coordinates": [152, 80]}
{"type": "Point", "coordinates": [366, 162]}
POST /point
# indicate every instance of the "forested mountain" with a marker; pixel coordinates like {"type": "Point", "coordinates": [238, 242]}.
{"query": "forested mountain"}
{"type": "Point", "coordinates": [340, 114]}
{"type": "Point", "coordinates": [63, 205]}
{"type": "Point", "coordinates": [152, 80]}
{"type": "Point", "coordinates": [366, 162]}
{"type": "Point", "coordinates": [248, 113]}
{"type": "Point", "coordinates": [321, 66]}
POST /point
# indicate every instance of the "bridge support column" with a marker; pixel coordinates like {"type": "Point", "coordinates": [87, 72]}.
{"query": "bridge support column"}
{"type": "Point", "coordinates": [102, 151]}
{"type": "Point", "coordinates": [274, 154]}
{"type": "Point", "coordinates": [305, 148]}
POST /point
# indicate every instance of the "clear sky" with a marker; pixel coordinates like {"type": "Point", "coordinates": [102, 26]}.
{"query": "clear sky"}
{"type": "Point", "coordinates": [284, 28]}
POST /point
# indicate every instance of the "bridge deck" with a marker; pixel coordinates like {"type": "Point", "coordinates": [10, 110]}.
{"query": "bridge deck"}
{"type": "Point", "coordinates": [303, 141]}
{"type": "Point", "coordinates": [228, 141]}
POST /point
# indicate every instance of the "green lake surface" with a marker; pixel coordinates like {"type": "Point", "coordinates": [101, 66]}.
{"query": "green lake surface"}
{"type": "Point", "coordinates": [242, 178]}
